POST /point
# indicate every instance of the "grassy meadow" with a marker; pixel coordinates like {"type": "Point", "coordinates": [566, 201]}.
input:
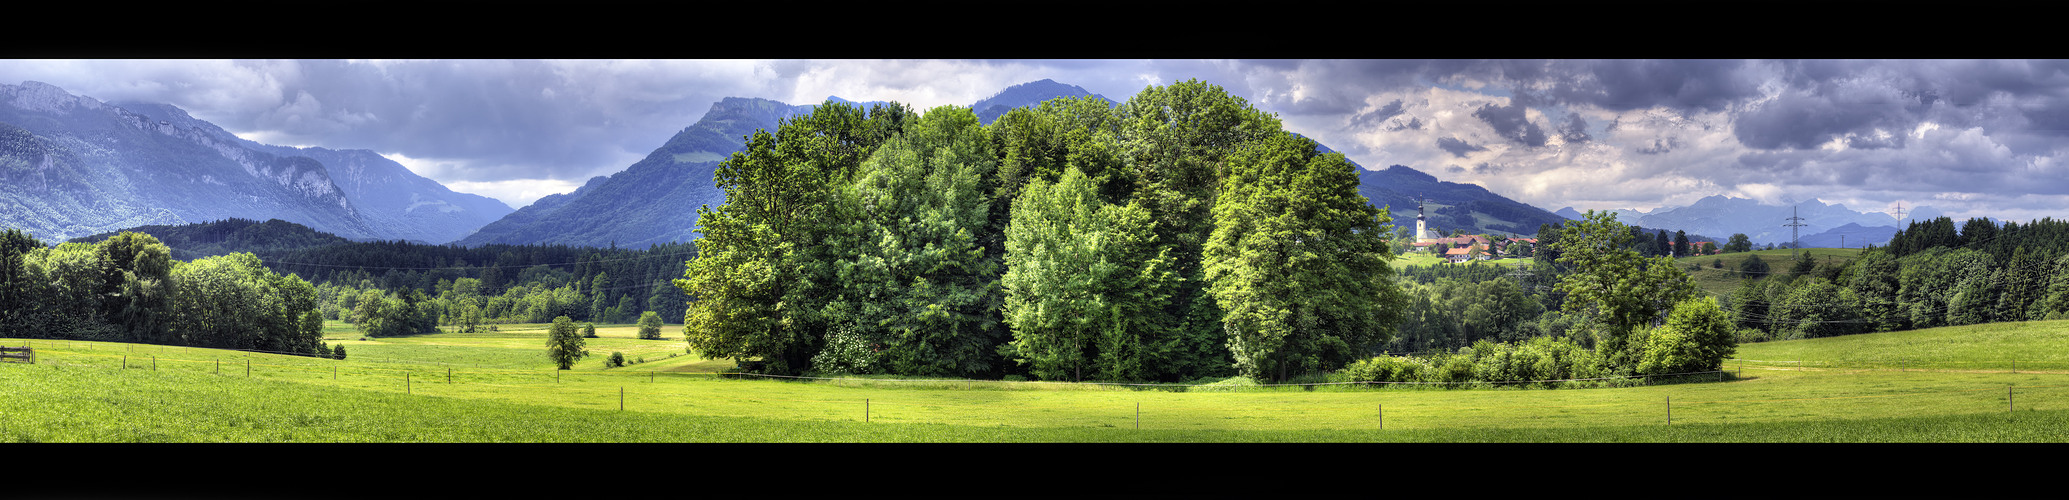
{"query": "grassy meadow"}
{"type": "Point", "coordinates": [1938, 385]}
{"type": "Point", "coordinates": [1723, 281]}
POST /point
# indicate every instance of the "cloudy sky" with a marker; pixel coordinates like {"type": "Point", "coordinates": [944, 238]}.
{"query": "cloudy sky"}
{"type": "Point", "coordinates": [1970, 137]}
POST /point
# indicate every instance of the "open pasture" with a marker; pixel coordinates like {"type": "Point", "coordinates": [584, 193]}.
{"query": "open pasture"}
{"type": "Point", "coordinates": [485, 388]}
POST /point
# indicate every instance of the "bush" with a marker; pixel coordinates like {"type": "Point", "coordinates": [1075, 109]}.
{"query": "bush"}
{"type": "Point", "coordinates": [617, 359]}
{"type": "Point", "coordinates": [337, 352]}
{"type": "Point", "coordinates": [1385, 369]}
{"type": "Point", "coordinates": [650, 326]}
{"type": "Point", "coordinates": [589, 330]}
{"type": "Point", "coordinates": [1697, 336]}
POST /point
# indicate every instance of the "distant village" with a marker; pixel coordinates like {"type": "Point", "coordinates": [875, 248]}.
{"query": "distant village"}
{"type": "Point", "coordinates": [1470, 247]}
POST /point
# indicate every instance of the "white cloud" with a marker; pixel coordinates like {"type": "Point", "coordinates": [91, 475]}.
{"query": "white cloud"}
{"type": "Point", "coordinates": [515, 192]}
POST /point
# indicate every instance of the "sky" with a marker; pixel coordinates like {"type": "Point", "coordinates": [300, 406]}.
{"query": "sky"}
{"type": "Point", "coordinates": [1973, 138]}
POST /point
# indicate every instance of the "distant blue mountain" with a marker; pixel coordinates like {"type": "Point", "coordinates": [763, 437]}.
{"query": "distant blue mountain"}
{"type": "Point", "coordinates": [1027, 95]}
{"type": "Point", "coordinates": [1850, 236]}
{"type": "Point", "coordinates": [72, 166]}
{"type": "Point", "coordinates": [656, 199]}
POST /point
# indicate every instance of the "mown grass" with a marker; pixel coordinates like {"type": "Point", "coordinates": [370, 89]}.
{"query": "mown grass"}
{"type": "Point", "coordinates": [520, 346]}
{"type": "Point", "coordinates": [1997, 347]}
{"type": "Point", "coordinates": [55, 403]}
{"type": "Point", "coordinates": [78, 393]}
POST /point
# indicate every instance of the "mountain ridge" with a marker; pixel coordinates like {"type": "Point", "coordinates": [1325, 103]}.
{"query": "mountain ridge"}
{"type": "Point", "coordinates": [131, 164]}
{"type": "Point", "coordinates": [665, 189]}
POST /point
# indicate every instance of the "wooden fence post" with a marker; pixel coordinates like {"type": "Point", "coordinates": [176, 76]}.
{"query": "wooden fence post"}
{"type": "Point", "coordinates": [1670, 410]}
{"type": "Point", "coordinates": [405, 384]}
{"type": "Point", "coordinates": [865, 410]}
{"type": "Point", "coordinates": [621, 398]}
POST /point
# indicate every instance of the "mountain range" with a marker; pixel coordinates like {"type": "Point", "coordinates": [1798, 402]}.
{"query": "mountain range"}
{"type": "Point", "coordinates": [73, 166]}
{"type": "Point", "coordinates": [656, 199]}
{"type": "Point", "coordinates": [1823, 224]}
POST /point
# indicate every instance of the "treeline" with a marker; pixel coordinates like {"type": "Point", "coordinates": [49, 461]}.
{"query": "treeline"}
{"type": "Point", "coordinates": [413, 288]}
{"type": "Point", "coordinates": [228, 236]}
{"type": "Point", "coordinates": [1964, 283]}
{"type": "Point", "coordinates": [2044, 239]}
{"type": "Point", "coordinates": [128, 288]}
{"type": "Point", "coordinates": [399, 287]}
{"type": "Point", "coordinates": [1181, 234]}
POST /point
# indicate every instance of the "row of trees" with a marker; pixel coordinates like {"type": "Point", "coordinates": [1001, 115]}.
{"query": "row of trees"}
{"type": "Point", "coordinates": [1181, 234]}
{"type": "Point", "coordinates": [1878, 292]}
{"type": "Point", "coordinates": [127, 288]}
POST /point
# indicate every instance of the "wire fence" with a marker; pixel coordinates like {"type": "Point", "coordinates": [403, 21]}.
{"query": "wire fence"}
{"type": "Point", "coordinates": [1351, 405]}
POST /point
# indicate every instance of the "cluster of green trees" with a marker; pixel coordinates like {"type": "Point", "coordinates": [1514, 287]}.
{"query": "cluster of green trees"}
{"type": "Point", "coordinates": [1619, 313]}
{"type": "Point", "coordinates": [398, 287]}
{"type": "Point", "coordinates": [1960, 281]}
{"type": "Point", "coordinates": [1181, 234]}
{"type": "Point", "coordinates": [1453, 313]}
{"type": "Point", "coordinates": [127, 288]}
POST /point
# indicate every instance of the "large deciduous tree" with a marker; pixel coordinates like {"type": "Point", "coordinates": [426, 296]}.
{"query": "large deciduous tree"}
{"type": "Point", "coordinates": [564, 344]}
{"type": "Point", "coordinates": [917, 288]}
{"type": "Point", "coordinates": [1175, 142]}
{"type": "Point", "coordinates": [1298, 261]}
{"type": "Point", "coordinates": [762, 276]}
{"type": "Point", "coordinates": [1615, 286]}
{"type": "Point", "coordinates": [1084, 285]}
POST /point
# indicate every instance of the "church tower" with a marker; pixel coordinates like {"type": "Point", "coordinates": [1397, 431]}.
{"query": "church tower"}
{"type": "Point", "coordinates": [1421, 229]}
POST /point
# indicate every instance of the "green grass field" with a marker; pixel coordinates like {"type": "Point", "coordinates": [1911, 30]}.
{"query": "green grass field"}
{"type": "Point", "coordinates": [1939, 385]}
{"type": "Point", "coordinates": [1722, 282]}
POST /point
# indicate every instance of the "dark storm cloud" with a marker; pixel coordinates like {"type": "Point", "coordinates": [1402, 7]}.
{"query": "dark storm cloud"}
{"type": "Point", "coordinates": [1659, 146]}
{"type": "Point", "coordinates": [1368, 119]}
{"type": "Point", "coordinates": [1813, 116]}
{"type": "Point", "coordinates": [1511, 122]}
{"type": "Point", "coordinates": [1623, 85]}
{"type": "Point", "coordinates": [1866, 142]}
{"type": "Point", "coordinates": [1457, 147]}
{"type": "Point", "coordinates": [1575, 130]}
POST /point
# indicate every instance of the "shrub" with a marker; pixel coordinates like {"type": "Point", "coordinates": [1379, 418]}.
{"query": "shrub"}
{"type": "Point", "coordinates": [1697, 336]}
{"type": "Point", "coordinates": [1385, 369]}
{"type": "Point", "coordinates": [337, 352]}
{"type": "Point", "coordinates": [650, 326]}
{"type": "Point", "coordinates": [617, 359]}
{"type": "Point", "coordinates": [589, 330]}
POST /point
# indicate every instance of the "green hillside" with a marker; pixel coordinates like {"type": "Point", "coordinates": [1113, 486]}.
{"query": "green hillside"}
{"type": "Point", "coordinates": [1722, 281]}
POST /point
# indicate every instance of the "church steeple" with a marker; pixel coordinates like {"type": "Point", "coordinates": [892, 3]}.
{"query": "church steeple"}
{"type": "Point", "coordinates": [1421, 229]}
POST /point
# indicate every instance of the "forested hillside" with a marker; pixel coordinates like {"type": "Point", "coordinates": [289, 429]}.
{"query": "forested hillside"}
{"type": "Point", "coordinates": [397, 287]}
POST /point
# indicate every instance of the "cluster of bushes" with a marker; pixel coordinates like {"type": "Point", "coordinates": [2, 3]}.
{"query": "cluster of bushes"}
{"type": "Point", "coordinates": [1696, 336]}
{"type": "Point", "coordinates": [1537, 359]}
